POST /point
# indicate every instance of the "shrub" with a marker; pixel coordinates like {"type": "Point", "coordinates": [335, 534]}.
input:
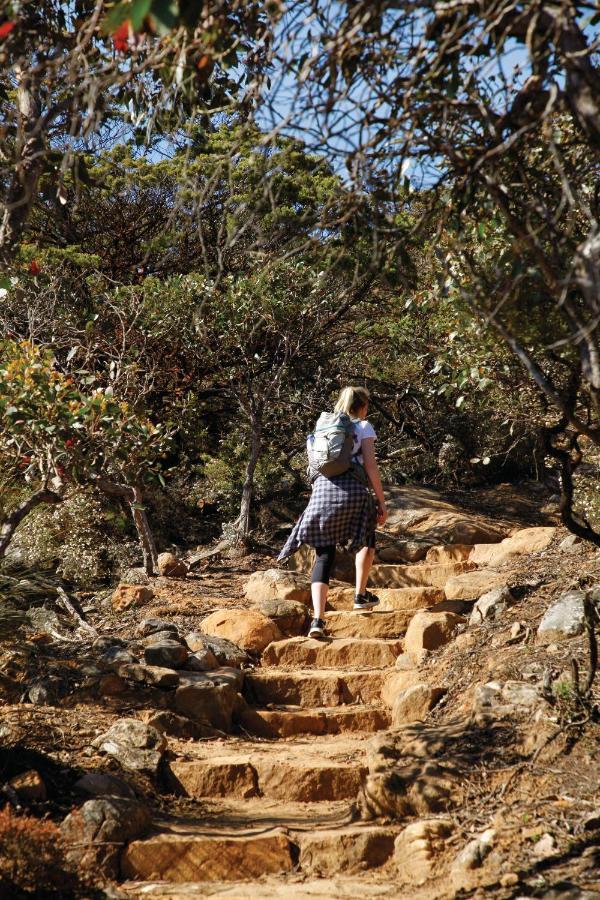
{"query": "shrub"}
{"type": "Point", "coordinates": [32, 859]}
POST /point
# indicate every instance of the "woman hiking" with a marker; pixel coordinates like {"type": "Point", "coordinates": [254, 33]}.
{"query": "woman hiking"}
{"type": "Point", "coordinates": [342, 509]}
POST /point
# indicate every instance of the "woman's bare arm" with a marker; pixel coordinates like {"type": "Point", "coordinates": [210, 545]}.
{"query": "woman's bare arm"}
{"type": "Point", "coordinates": [367, 448]}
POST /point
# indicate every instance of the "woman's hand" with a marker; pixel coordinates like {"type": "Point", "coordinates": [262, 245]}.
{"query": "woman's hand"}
{"type": "Point", "coordinates": [382, 514]}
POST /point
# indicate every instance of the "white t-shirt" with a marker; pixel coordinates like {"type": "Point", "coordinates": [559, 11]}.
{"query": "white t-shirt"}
{"type": "Point", "coordinates": [362, 429]}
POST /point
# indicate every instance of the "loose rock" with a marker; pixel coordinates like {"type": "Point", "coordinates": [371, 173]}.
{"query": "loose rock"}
{"type": "Point", "coordinates": [248, 628]}
{"type": "Point", "coordinates": [207, 703]}
{"type": "Point", "coordinates": [275, 584]}
{"type": "Point", "coordinates": [418, 847]}
{"type": "Point", "coordinates": [97, 832]}
{"type": "Point", "coordinates": [102, 784]}
{"type": "Point", "coordinates": [134, 745]}
{"type": "Point", "coordinates": [290, 616]}
{"type": "Point", "coordinates": [429, 631]}
{"type": "Point", "coordinates": [174, 725]}
{"type": "Point", "coordinates": [474, 853]}
{"type": "Point", "coordinates": [153, 626]}
{"type": "Point", "coordinates": [227, 653]}
{"type": "Point", "coordinates": [29, 786]}
{"type": "Point", "coordinates": [413, 704]}
{"type": "Point", "coordinates": [128, 595]}
{"type": "Point", "coordinates": [115, 657]}
{"type": "Point", "coordinates": [202, 660]}
{"type": "Point", "coordinates": [167, 654]}
{"type": "Point", "coordinates": [155, 675]}
{"type": "Point", "coordinates": [564, 619]}
{"type": "Point", "coordinates": [171, 566]}
{"type": "Point", "coordinates": [491, 605]}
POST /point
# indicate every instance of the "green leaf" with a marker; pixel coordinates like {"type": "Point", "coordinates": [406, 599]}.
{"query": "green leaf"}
{"type": "Point", "coordinates": [165, 14]}
{"type": "Point", "coordinates": [5, 282]}
{"type": "Point", "coordinates": [134, 11]}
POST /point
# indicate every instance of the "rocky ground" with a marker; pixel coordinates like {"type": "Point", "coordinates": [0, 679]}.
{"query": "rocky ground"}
{"type": "Point", "coordinates": [189, 740]}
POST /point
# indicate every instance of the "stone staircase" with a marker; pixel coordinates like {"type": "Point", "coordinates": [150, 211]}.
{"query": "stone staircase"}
{"type": "Point", "coordinates": [278, 801]}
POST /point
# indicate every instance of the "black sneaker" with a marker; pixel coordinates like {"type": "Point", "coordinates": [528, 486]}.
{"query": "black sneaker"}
{"type": "Point", "coordinates": [317, 628]}
{"type": "Point", "coordinates": [365, 601]}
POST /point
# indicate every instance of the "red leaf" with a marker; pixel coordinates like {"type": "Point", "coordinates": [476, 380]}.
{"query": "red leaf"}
{"type": "Point", "coordinates": [203, 62]}
{"type": "Point", "coordinates": [34, 267]}
{"type": "Point", "coordinates": [6, 28]}
{"type": "Point", "coordinates": [121, 37]}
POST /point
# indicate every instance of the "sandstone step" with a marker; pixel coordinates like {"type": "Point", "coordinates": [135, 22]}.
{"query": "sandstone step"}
{"type": "Point", "coordinates": [365, 653]}
{"type": "Point", "coordinates": [297, 772]}
{"type": "Point", "coordinates": [409, 598]}
{"type": "Point", "coordinates": [289, 721]}
{"type": "Point", "coordinates": [421, 575]}
{"type": "Point", "coordinates": [312, 687]}
{"type": "Point", "coordinates": [352, 849]}
{"type": "Point", "coordinates": [375, 624]}
{"type": "Point", "coordinates": [294, 887]}
{"type": "Point", "coordinates": [210, 857]}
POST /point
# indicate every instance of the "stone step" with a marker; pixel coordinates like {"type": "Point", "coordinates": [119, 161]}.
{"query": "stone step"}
{"type": "Point", "coordinates": [292, 720]}
{"type": "Point", "coordinates": [216, 849]}
{"type": "Point", "coordinates": [297, 772]}
{"type": "Point", "coordinates": [421, 575]}
{"type": "Point", "coordinates": [377, 623]}
{"type": "Point", "coordinates": [312, 687]}
{"type": "Point", "coordinates": [412, 598]}
{"type": "Point", "coordinates": [210, 857]}
{"type": "Point", "coordinates": [347, 653]}
{"type": "Point", "coordinates": [291, 887]}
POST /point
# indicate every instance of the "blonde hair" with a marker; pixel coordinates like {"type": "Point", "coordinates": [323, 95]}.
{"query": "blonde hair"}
{"type": "Point", "coordinates": [352, 399]}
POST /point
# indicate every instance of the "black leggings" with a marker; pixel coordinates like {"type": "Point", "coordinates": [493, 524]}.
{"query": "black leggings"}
{"type": "Point", "coordinates": [325, 561]}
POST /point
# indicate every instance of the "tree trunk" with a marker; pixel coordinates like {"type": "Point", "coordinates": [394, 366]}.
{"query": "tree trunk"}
{"type": "Point", "coordinates": [133, 495]}
{"type": "Point", "coordinates": [140, 519]}
{"type": "Point", "coordinates": [243, 528]}
{"type": "Point", "coordinates": [30, 155]}
{"type": "Point", "coordinates": [14, 519]}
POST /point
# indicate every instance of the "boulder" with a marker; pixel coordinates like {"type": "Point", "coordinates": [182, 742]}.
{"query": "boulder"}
{"type": "Point", "coordinates": [277, 584]}
{"type": "Point", "coordinates": [404, 552]}
{"type": "Point", "coordinates": [526, 540]}
{"type": "Point", "coordinates": [223, 675]}
{"type": "Point", "coordinates": [167, 654]}
{"type": "Point", "coordinates": [419, 846]}
{"type": "Point", "coordinates": [171, 566]}
{"type": "Point", "coordinates": [491, 605]}
{"type": "Point", "coordinates": [248, 628]}
{"type": "Point", "coordinates": [416, 770]}
{"type": "Point", "coordinates": [128, 595]}
{"type": "Point", "coordinates": [102, 784]}
{"type": "Point", "coordinates": [115, 657]}
{"type": "Point", "coordinates": [290, 616]}
{"type": "Point", "coordinates": [135, 576]}
{"type": "Point", "coordinates": [154, 626]}
{"type": "Point", "coordinates": [174, 725]}
{"type": "Point", "coordinates": [448, 553]}
{"type": "Point", "coordinates": [134, 745]}
{"type": "Point", "coordinates": [472, 855]}
{"type": "Point", "coordinates": [202, 660]}
{"type": "Point", "coordinates": [508, 699]}
{"type": "Point", "coordinates": [29, 786]}
{"type": "Point", "coordinates": [457, 528]}
{"type": "Point", "coordinates": [164, 635]}
{"type": "Point", "coordinates": [396, 682]}
{"type": "Point", "coordinates": [207, 703]}
{"type": "Point", "coordinates": [155, 675]}
{"type": "Point", "coordinates": [96, 833]}
{"type": "Point", "coordinates": [227, 653]}
{"type": "Point", "coordinates": [429, 631]}
{"type": "Point", "coordinates": [112, 685]}
{"type": "Point", "coordinates": [471, 585]}
{"type": "Point", "coordinates": [413, 704]}
{"type": "Point", "coordinates": [564, 619]}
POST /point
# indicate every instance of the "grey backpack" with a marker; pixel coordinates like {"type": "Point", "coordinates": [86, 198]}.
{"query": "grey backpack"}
{"type": "Point", "coordinates": [330, 445]}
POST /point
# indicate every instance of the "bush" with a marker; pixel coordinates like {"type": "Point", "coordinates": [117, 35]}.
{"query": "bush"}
{"type": "Point", "coordinates": [32, 859]}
